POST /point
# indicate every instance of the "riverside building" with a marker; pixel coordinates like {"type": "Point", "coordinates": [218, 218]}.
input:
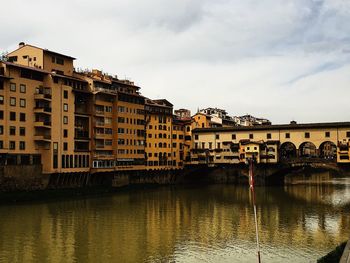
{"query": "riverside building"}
{"type": "Point", "coordinates": [88, 122]}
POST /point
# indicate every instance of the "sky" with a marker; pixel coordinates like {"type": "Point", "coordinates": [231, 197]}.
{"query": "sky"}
{"type": "Point", "coordinates": [278, 59]}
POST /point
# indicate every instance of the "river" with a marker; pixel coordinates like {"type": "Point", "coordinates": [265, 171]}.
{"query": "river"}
{"type": "Point", "coordinates": [299, 222]}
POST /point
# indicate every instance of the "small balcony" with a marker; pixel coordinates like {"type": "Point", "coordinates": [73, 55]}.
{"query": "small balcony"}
{"type": "Point", "coordinates": [81, 135]}
{"type": "Point", "coordinates": [42, 138]}
{"type": "Point", "coordinates": [43, 110]}
{"type": "Point", "coordinates": [42, 124]}
{"type": "Point", "coordinates": [42, 96]}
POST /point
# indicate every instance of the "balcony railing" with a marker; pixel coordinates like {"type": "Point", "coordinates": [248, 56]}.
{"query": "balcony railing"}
{"type": "Point", "coordinates": [46, 110]}
{"type": "Point", "coordinates": [42, 137]}
{"type": "Point", "coordinates": [40, 123]}
{"type": "Point", "coordinates": [42, 96]}
{"type": "Point", "coordinates": [81, 134]}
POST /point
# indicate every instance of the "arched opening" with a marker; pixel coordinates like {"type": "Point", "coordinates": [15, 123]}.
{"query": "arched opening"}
{"type": "Point", "coordinates": [307, 149]}
{"type": "Point", "coordinates": [288, 151]}
{"type": "Point", "coordinates": [328, 150]}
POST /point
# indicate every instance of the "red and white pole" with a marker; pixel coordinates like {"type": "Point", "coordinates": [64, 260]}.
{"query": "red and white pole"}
{"type": "Point", "coordinates": [251, 184]}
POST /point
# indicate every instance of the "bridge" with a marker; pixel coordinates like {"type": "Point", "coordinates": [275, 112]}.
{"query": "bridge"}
{"type": "Point", "coordinates": [287, 143]}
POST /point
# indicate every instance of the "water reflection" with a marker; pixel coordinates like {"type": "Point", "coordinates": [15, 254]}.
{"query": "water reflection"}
{"type": "Point", "coordinates": [297, 223]}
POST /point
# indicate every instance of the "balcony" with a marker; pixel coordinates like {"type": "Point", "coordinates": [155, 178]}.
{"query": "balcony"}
{"type": "Point", "coordinates": [81, 135]}
{"type": "Point", "coordinates": [42, 96]}
{"type": "Point", "coordinates": [43, 110]}
{"type": "Point", "coordinates": [42, 124]}
{"type": "Point", "coordinates": [99, 124]}
{"type": "Point", "coordinates": [42, 138]}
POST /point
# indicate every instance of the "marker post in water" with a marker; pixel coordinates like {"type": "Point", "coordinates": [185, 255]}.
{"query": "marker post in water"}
{"type": "Point", "coordinates": [251, 186]}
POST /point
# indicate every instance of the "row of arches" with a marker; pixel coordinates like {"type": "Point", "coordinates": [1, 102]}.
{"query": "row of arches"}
{"type": "Point", "coordinates": [327, 150]}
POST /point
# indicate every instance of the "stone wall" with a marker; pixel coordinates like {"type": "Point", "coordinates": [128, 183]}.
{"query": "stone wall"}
{"type": "Point", "coordinates": [22, 177]}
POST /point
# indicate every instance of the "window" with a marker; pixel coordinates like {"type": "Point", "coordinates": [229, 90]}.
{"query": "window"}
{"type": "Point", "coordinates": [287, 135]}
{"type": "Point", "coordinates": [22, 103]}
{"type": "Point", "coordinates": [268, 136]}
{"type": "Point", "coordinates": [251, 136]}
{"type": "Point", "coordinates": [65, 107]}
{"type": "Point", "coordinates": [1, 99]}
{"type": "Point", "coordinates": [65, 94]}
{"type": "Point", "coordinates": [1, 114]}
{"type": "Point", "coordinates": [22, 88]}
{"type": "Point", "coordinates": [196, 136]}
{"type": "Point", "coordinates": [348, 134]}
{"type": "Point", "coordinates": [65, 119]}
{"type": "Point", "coordinates": [12, 145]}
{"type": "Point", "coordinates": [203, 145]}
{"type": "Point", "coordinates": [12, 130]}
{"type": "Point", "coordinates": [12, 101]}
{"type": "Point", "coordinates": [327, 134]}
{"type": "Point", "coordinates": [1, 145]}
{"type": "Point", "coordinates": [307, 135]}
{"type": "Point", "coordinates": [22, 145]}
{"type": "Point", "coordinates": [210, 145]}
{"type": "Point", "coordinates": [217, 136]}
{"type": "Point", "coordinates": [12, 86]}
{"type": "Point", "coordinates": [12, 116]}
{"type": "Point", "coordinates": [219, 145]}
{"type": "Point", "coordinates": [233, 136]}
{"type": "Point", "coordinates": [22, 116]}
{"type": "Point", "coordinates": [22, 131]}
{"type": "Point", "coordinates": [65, 133]}
{"type": "Point", "coordinates": [1, 129]}
{"type": "Point", "coordinates": [65, 146]}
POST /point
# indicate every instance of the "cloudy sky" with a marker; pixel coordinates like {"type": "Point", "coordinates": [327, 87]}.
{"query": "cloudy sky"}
{"type": "Point", "coordinates": [279, 59]}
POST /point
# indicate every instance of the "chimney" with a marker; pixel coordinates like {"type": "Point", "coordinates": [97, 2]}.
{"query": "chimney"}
{"type": "Point", "coordinates": [21, 44]}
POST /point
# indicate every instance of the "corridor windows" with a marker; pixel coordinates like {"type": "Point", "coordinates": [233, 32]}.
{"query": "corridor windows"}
{"type": "Point", "coordinates": [12, 101]}
{"type": "Point", "coordinates": [22, 117]}
{"type": "Point", "coordinates": [12, 130]}
{"type": "Point", "coordinates": [1, 99]}
{"type": "Point", "coordinates": [65, 119]}
{"type": "Point", "coordinates": [12, 116]}
{"type": "Point", "coordinates": [307, 135]}
{"type": "Point", "coordinates": [22, 88]}
{"type": "Point", "coordinates": [22, 131]}
{"type": "Point", "coordinates": [22, 103]}
{"type": "Point", "coordinates": [13, 87]}
{"type": "Point", "coordinates": [65, 107]}
{"type": "Point", "coordinates": [22, 145]}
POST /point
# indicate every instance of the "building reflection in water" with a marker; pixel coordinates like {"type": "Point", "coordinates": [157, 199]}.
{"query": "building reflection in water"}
{"type": "Point", "coordinates": [184, 225]}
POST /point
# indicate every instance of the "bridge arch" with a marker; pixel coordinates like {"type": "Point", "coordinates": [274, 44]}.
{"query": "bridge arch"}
{"type": "Point", "coordinates": [288, 150]}
{"type": "Point", "coordinates": [328, 150]}
{"type": "Point", "coordinates": [307, 149]}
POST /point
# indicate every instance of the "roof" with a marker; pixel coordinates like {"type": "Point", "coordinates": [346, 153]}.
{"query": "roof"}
{"type": "Point", "coordinates": [125, 83]}
{"type": "Point", "coordinates": [45, 50]}
{"type": "Point", "coordinates": [163, 101]}
{"type": "Point", "coordinates": [26, 67]}
{"type": "Point", "coordinates": [157, 103]}
{"type": "Point", "coordinates": [275, 127]}
{"type": "Point", "coordinates": [68, 77]}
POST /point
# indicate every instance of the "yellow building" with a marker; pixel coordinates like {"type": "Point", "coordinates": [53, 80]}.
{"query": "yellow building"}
{"type": "Point", "coordinates": [272, 143]}
{"type": "Point", "coordinates": [159, 114]}
{"type": "Point", "coordinates": [38, 105]}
